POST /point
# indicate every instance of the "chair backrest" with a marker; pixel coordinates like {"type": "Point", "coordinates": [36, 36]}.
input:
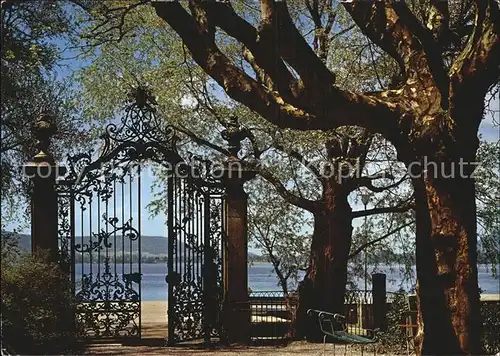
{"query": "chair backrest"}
{"type": "Point", "coordinates": [328, 322]}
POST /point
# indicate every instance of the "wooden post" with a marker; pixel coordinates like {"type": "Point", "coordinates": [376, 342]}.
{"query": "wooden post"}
{"type": "Point", "coordinates": [43, 172]}
{"type": "Point", "coordinates": [379, 301]}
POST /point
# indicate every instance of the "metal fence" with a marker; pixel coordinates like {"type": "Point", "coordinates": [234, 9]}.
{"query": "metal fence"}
{"type": "Point", "coordinates": [271, 317]}
{"type": "Point", "coordinates": [358, 311]}
{"type": "Point", "coordinates": [271, 313]}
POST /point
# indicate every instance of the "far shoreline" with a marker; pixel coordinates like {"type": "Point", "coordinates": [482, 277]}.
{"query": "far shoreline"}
{"type": "Point", "coordinates": [487, 297]}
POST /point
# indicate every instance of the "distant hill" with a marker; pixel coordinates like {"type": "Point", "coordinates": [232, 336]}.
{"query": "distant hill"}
{"type": "Point", "coordinates": [150, 246]}
{"type": "Point", "coordinates": [24, 242]}
{"type": "Point", "coordinates": [154, 245]}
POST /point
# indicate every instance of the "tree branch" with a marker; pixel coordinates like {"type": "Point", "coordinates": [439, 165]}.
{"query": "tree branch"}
{"type": "Point", "coordinates": [106, 27]}
{"type": "Point", "coordinates": [296, 51]}
{"type": "Point", "coordinates": [271, 178]}
{"type": "Point", "coordinates": [301, 158]}
{"type": "Point", "coordinates": [439, 19]}
{"type": "Point", "coordinates": [430, 46]}
{"type": "Point", "coordinates": [393, 27]}
{"type": "Point", "coordinates": [202, 141]}
{"type": "Point", "coordinates": [291, 198]}
{"type": "Point", "coordinates": [370, 243]}
{"type": "Point", "coordinates": [321, 37]}
{"type": "Point", "coordinates": [381, 25]}
{"type": "Point", "coordinates": [262, 76]}
{"type": "Point", "coordinates": [384, 210]}
{"type": "Point", "coordinates": [368, 182]}
{"type": "Point", "coordinates": [476, 68]}
{"type": "Point", "coordinates": [332, 107]}
{"type": "Point", "coordinates": [235, 82]}
{"type": "Point", "coordinates": [224, 16]}
{"type": "Point", "coordinates": [5, 148]}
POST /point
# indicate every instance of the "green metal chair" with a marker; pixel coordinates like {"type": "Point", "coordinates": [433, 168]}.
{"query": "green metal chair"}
{"type": "Point", "coordinates": [335, 327]}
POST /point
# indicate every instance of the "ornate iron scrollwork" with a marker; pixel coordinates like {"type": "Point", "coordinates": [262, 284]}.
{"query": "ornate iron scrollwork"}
{"type": "Point", "coordinates": [139, 136]}
{"type": "Point", "coordinates": [103, 237]}
{"type": "Point", "coordinates": [107, 306]}
{"type": "Point", "coordinates": [187, 315]}
{"type": "Point", "coordinates": [64, 228]}
{"type": "Point", "coordinates": [105, 250]}
{"type": "Point", "coordinates": [214, 253]}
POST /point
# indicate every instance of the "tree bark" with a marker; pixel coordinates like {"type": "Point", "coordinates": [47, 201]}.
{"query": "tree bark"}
{"type": "Point", "coordinates": [324, 284]}
{"type": "Point", "coordinates": [446, 258]}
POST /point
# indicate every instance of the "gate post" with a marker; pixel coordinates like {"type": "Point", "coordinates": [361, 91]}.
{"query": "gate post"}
{"type": "Point", "coordinates": [236, 308]}
{"type": "Point", "coordinates": [379, 301]}
{"type": "Point", "coordinates": [42, 171]}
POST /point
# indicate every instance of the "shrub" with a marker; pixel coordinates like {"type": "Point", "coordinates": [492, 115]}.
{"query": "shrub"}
{"type": "Point", "coordinates": [490, 312]}
{"type": "Point", "coordinates": [37, 307]}
{"type": "Point", "coordinates": [393, 340]}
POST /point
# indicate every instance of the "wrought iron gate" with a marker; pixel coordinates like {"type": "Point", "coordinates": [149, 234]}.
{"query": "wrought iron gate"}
{"type": "Point", "coordinates": [195, 267]}
{"type": "Point", "coordinates": [100, 206]}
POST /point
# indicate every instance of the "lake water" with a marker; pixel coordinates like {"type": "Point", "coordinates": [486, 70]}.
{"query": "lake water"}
{"type": "Point", "coordinates": [262, 278]}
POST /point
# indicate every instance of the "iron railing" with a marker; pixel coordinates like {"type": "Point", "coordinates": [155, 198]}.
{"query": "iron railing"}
{"type": "Point", "coordinates": [270, 315]}
{"type": "Point", "coordinates": [358, 311]}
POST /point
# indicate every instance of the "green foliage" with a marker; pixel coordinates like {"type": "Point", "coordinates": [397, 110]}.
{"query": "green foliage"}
{"type": "Point", "coordinates": [37, 305]}
{"type": "Point", "coordinates": [393, 341]}
{"type": "Point", "coordinates": [29, 86]}
{"type": "Point", "coordinates": [488, 209]}
{"type": "Point", "coordinates": [26, 29]}
{"type": "Point", "coordinates": [281, 231]}
{"type": "Point", "coordinates": [9, 247]}
{"type": "Point", "coordinates": [490, 312]}
{"type": "Point", "coordinates": [150, 52]}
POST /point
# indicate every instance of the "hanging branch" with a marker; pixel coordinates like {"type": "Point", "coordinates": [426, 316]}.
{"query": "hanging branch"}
{"type": "Point", "coordinates": [373, 242]}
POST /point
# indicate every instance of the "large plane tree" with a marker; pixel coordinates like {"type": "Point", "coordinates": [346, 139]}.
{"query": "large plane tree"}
{"type": "Point", "coordinates": [432, 115]}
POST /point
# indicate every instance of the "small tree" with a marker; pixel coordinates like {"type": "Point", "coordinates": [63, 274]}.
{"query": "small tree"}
{"type": "Point", "coordinates": [281, 231]}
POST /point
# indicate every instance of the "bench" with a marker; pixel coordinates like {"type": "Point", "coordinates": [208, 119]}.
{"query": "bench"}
{"type": "Point", "coordinates": [335, 327]}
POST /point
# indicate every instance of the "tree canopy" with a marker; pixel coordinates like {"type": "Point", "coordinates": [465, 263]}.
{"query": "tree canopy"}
{"type": "Point", "coordinates": [29, 87]}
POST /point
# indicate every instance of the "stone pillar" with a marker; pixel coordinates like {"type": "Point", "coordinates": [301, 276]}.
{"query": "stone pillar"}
{"type": "Point", "coordinates": [43, 172]}
{"type": "Point", "coordinates": [236, 312]}
{"type": "Point", "coordinates": [236, 308]}
{"type": "Point", "coordinates": [379, 301]}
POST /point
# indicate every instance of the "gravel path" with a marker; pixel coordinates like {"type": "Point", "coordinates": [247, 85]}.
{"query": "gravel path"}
{"type": "Point", "coordinates": [293, 348]}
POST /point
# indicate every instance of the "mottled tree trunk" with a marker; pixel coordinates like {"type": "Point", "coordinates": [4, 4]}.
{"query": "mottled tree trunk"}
{"type": "Point", "coordinates": [446, 258]}
{"type": "Point", "coordinates": [324, 284]}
